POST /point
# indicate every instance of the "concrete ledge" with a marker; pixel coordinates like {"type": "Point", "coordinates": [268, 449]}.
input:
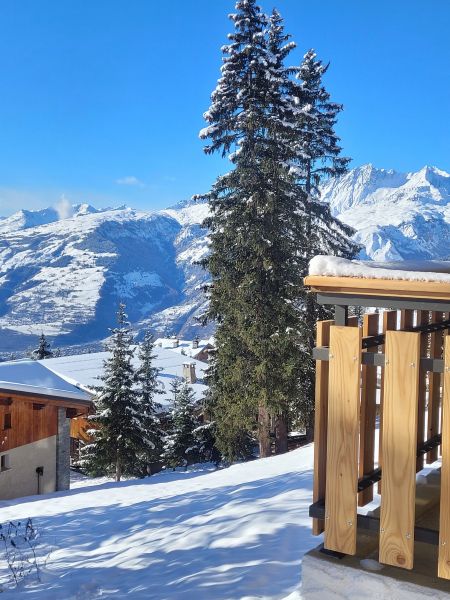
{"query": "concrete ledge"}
{"type": "Point", "coordinates": [361, 576]}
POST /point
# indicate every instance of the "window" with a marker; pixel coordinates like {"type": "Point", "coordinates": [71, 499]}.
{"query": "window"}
{"type": "Point", "coordinates": [38, 406]}
{"type": "Point", "coordinates": [7, 421]}
{"type": "Point", "coordinates": [4, 462]}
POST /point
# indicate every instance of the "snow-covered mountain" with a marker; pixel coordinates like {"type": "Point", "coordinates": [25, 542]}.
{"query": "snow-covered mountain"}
{"type": "Point", "coordinates": [65, 276]}
{"type": "Point", "coordinates": [397, 216]}
{"type": "Point", "coordinates": [64, 272]}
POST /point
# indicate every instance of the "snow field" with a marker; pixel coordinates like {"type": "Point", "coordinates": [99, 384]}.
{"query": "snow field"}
{"type": "Point", "coordinates": [235, 533]}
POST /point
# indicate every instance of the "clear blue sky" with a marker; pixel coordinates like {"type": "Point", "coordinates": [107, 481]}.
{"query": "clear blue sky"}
{"type": "Point", "coordinates": [99, 91]}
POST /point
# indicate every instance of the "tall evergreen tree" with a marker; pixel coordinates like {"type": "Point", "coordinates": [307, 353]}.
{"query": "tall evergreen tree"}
{"type": "Point", "coordinates": [317, 157]}
{"type": "Point", "coordinates": [43, 350]}
{"type": "Point", "coordinates": [180, 447]}
{"type": "Point", "coordinates": [255, 230]}
{"type": "Point", "coordinates": [119, 423]}
{"type": "Point", "coordinates": [148, 388]}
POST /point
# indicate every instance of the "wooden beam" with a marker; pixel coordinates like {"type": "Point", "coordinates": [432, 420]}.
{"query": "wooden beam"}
{"type": "Point", "coordinates": [434, 387]}
{"type": "Point", "coordinates": [389, 323]}
{"type": "Point", "coordinates": [320, 422]}
{"type": "Point", "coordinates": [394, 288]}
{"type": "Point", "coordinates": [423, 317]}
{"type": "Point", "coordinates": [371, 324]}
{"type": "Point", "coordinates": [342, 439]}
{"type": "Point", "coordinates": [444, 518]}
{"type": "Point", "coordinates": [401, 391]}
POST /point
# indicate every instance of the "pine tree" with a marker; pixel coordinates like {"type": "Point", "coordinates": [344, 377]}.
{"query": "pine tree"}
{"type": "Point", "coordinates": [180, 447]}
{"type": "Point", "coordinates": [147, 388]}
{"type": "Point", "coordinates": [43, 351]}
{"type": "Point", "coordinates": [205, 442]}
{"type": "Point", "coordinates": [119, 422]}
{"type": "Point", "coordinates": [255, 230]}
{"type": "Point", "coordinates": [317, 157]}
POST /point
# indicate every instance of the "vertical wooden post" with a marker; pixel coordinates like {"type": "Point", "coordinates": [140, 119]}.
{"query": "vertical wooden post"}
{"type": "Point", "coordinates": [423, 318]}
{"type": "Point", "coordinates": [342, 439]}
{"type": "Point", "coordinates": [389, 324]}
{"type": "Point", "coordinates": [434, 387]}
{"type": "Point", "coordinates": [444, 519]}
{"type": "Point", "coordinates": [320, 422]}
{"type": "Point", "coordinates": [368, 411]}
{"type": "Point", "coordinates": [401, 390]}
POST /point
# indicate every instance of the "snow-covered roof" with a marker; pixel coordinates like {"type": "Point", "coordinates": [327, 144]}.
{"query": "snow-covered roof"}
{"type": "Point", "coordinates": [83, 370]}
{"type": "Point", "coordinates": [32, 377]}
{"type": "Point", "coordinates": [185, 347]}
{"type": "Point", "coordinates": [407, 270]}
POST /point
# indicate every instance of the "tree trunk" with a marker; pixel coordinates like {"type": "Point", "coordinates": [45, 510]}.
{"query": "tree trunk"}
{"type": "Point", "coordinates": [264, 431]}
{"type": "Point", "coordinates": [118, 468]}
{"type": "Point", "coordinates": [310, 428]}
{"type": "Point", "coordinates": [281, 434]}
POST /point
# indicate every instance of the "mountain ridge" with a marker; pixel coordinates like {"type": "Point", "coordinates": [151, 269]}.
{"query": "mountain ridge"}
{"type": "Point", "coordinates": [63, 270]}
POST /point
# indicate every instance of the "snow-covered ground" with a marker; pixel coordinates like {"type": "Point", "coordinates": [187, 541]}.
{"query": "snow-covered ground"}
{"type": "Point", "coordinates": [235, 533]}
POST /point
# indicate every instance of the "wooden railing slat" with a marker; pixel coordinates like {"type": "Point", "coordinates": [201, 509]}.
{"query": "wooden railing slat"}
{"type": "Point", "coordinates": [423, 317]}
{"type": "Point", "coordinates": [434, 387]}
{"type": "Point", "coordinates": [368, 411]}
{"type": "Point", "coordinates": [401, 387]}
{"type": "Point", "coordinates": [342, 439]}
{"type": "Point", "coordinates": [389, 323]}
{"type": "Point", "coordinates": [444, 519]}
{"type": "Point", "coordinates": [320, 422]}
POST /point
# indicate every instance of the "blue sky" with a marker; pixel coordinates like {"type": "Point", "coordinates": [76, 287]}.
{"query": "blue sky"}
{"type": "Point", "coordinates": [102, 100]}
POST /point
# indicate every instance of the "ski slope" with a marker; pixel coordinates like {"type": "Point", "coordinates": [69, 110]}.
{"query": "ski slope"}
{"type": "Point", "coordinates": [204, 534]}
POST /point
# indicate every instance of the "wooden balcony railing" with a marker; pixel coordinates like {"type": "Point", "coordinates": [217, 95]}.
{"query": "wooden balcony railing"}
{"type": "Point", "coordinates": [391, 374]}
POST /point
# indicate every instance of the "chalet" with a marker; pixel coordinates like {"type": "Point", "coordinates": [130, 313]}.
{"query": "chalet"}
{"type": "Point", "coordinates": [36, 407]}
{"type": "Point", "coordinates": [381, 493]}
{"type": "Point", "coordinates": [196, 348]}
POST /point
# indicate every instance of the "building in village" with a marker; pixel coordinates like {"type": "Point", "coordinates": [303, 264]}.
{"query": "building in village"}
{"type": "Point", "coordinates": [196, 348]}
{"type": "Point", "coordinates": [36, 407]}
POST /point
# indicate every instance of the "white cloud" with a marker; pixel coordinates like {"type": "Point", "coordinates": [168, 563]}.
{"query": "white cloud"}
{"type": "Point", "coordinates": [130, 180]}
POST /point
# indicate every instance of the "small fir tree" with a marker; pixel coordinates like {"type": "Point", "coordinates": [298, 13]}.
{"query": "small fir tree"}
{"type": "Point", "coordinates": [119, 422]}
{"type": "Point", "coordinates": [147, 388]}
{"type": "Point", "coordinates": [180, 447]}
{"type": "Point", "coordinates": [43, 351]}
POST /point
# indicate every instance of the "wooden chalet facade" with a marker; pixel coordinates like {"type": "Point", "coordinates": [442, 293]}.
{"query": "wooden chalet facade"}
{"type": "Point", "coordinates": [382, 414]}
{"type": "Point", "coordinates": [36, 407]}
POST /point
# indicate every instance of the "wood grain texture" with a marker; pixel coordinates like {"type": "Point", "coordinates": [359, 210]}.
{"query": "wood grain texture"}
{"type": "Point", "coordinates": [434, 387]}
{"type": "Point", "coordinates": [433, 290]}
{"type": "Point", "coordinates": [342, 439]}
{"type": "Point", "coordinates": [321, 418]}
{"type": "Point", "coordinates": [371, 324]}
{"type": "Point", "coordinates": [423, 318]}
{"type": "Point", "coordinates": [320, 422]}
{"type": "Point", "coordinates": [444, 517]}
{"type": "Point", "coordinates": [401, 387]}
{"type": "Point", "coordinates": [389, 323]}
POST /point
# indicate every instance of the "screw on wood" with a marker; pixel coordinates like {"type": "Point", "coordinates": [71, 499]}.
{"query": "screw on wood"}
{"type": "Point", "coordinates": [443, 543]}
{"type": "Point", "coordinates": [412, 364]}
{"type": "Point", "coordinates": [408, 536]}
{"type": "Point", "coordinates": [331, 355]}
{"type": "Point", "coordinates": [386, 362]}
{"type": "Point", "coordinates": [382, 530]}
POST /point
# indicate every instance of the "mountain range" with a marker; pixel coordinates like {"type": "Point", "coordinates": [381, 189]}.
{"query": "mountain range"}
{"type": "Point", "coordinates": [64, 272]}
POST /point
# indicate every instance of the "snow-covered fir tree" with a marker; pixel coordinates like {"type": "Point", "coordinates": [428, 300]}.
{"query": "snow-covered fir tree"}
{"type": "Point", "coordinates": [180, 445]}
{"type": "Point", "coordinates": [119, 424]}
{"type": "Point", "coordinates": [43, 350]}
{"type": "Point", "coordinates": [148, 388]}
{"type": "Point", "coordinates": [255, 230]}
{"type": "Point", "coordinates": [317, 157]}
